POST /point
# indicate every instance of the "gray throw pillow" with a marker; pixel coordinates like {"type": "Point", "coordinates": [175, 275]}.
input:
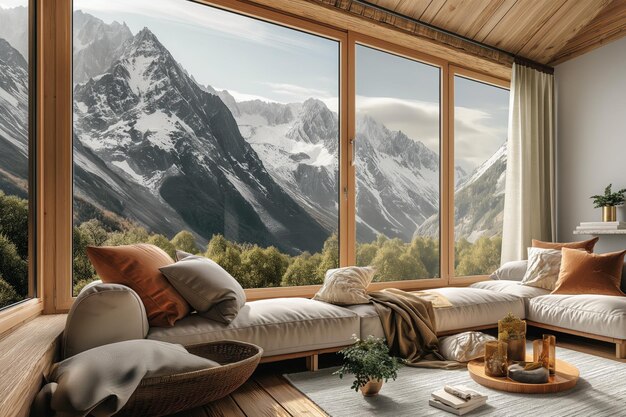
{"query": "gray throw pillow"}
{"type": "Point", "coordinates": [207, 287]}
{"type": "Point", "coordinates": [511, 271]}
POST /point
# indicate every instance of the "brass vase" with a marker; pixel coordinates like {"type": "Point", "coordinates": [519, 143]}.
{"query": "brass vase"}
{"type": "Point", "coordinates": [609, 214]}
{"type": "Point", "coordinates": [372, 387]}
{"type": "Point", "coordinates": [512, 330]}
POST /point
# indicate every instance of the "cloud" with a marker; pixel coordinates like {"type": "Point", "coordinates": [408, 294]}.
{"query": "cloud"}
{"type": "Point", "coordinates": [9, 4]}
{"type": "Point", "coordinates": [203, 17]}
{"type": "Point", "coordinates": [478, 135]}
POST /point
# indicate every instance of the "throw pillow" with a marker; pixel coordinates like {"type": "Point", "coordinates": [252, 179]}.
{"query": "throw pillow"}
{"type": "Point", "coordinates": [210, 290]}
{"type": "Point", "coordinates": [346, 286]}
{"type": "Point", "coordinates": [464, 347]}
{"type": "Point", "coordinates": [587, 245]}
{"type": "Point", "coordinates": [543, 268]}
{"type": "Point", "coordinates": [137, 267]}
{"type": "Point", "coordinates": [588, 273]}
{"type": "Point", "coordinates": [511, 271]}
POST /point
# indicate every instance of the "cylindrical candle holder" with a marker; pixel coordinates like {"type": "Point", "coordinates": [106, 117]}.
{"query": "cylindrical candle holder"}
{"type": "Point", "coordinates": [496, 363]}
{"type": "Point", "coordinates": [512, 331]}
{"type": "Point", "coordinates": [549, 351]}
{"type": "Point", "coordinates": [538, 352]}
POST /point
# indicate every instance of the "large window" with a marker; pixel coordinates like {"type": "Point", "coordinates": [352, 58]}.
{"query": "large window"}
{"type": "Point", "coordinates": [205, 131]}
{"type": "Point", "coordinates": [15, 153]}
{"type": "Point", "coordinates": [480, 138]}
{"type": "Point", "coordinates": [397, 165]}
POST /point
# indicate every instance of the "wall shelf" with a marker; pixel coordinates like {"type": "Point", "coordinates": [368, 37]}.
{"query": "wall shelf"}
{"type": "Point", "coordinates": [594, 232]}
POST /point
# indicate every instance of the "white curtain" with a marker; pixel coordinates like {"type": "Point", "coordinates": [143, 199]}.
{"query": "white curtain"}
{"type": "Point", "coordinates": [529, 202]}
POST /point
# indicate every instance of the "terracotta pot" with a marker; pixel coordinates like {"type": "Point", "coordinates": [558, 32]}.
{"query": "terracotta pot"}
{"type": "Point", "coordinates": [372, 387]}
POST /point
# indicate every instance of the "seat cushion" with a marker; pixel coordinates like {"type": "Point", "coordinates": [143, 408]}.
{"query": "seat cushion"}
{"type": "Point", "coordinates": [471, 307]}
{"type": "Point", "coordinates": [603, 315]}
{"type": "Point", "coordinates": [279, 326]}
{"type": "Point", "coordinates": [511, 287]}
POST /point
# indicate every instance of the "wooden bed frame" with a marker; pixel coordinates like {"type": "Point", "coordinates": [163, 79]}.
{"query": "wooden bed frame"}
{"type": "Point", "coordinates": [312, 356]}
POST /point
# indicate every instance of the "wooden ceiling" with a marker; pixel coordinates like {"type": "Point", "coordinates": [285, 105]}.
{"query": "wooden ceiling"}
{"type": "Point", "coordinates": [544, 31]}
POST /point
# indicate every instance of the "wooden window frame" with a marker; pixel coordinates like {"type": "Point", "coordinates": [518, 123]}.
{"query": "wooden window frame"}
{"type": "Point", "coordinates": [54, 138]}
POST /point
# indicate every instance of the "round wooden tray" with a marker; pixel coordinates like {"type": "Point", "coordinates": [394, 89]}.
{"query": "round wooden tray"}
{"type": "Point", "coordinates": [565, 378]}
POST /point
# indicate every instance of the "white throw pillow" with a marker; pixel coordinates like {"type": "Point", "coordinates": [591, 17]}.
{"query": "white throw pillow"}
{"type": "Point", "coordinates": [511, 271]}
{"type": "Point", "coordinates": [346, 286]}
{"type": "Point", "coordinates": [464, 347]}
{"type": "Point", "coordinates": [543, 268]}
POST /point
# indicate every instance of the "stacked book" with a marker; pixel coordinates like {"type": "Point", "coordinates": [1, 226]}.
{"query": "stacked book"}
{"type": "Point", "coordinates": [457, 399]}
{"type": "Point", "coordinates": [588, 226]}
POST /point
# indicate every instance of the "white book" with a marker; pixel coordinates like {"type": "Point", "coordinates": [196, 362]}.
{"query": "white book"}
{"type": "Point", "coordinates": [456, 402]}
{"type": "Point", "coordinates": [600, 227]}
{"type": "Point", "coordinates": [602, 224]}
{"type": "Point", "coordinates": [457, 411]}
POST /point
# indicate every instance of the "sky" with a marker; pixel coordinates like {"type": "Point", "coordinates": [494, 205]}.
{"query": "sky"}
{"type": "Point", "coordinates": [255, 59]}
{"type": "Point", "coordinates": [6, 4]}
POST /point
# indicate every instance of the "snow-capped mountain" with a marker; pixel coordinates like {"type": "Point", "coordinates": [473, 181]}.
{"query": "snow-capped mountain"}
{"type": "Point", "coordinates": [14, 28]}
{"type": "Point", "coordinates": [95, 45]}
{"type": "Point", "coordinates": [13, 120]}
{"type": "Point", "coordinates": [478, 202]}
{"type": "Point", "coordinates": [149, 123]}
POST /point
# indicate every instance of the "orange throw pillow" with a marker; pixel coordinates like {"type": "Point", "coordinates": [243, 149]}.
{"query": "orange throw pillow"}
{"type": "Point", "coordinates": [137, 267]}
{"type": "Point", "coordinates": [588, 273]}
{"type": "Point", "coordinates": [585, 244]}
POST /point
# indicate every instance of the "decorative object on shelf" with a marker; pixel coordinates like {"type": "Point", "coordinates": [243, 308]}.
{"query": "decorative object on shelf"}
{"type": "Point", "coordinates": [512, 331]}
{"type": "Point", "coordinates": [529, 373]}
{"type": "Point", "coordinates": [496, 362]}
{"type": "Point", "coordinates": [608, 202]}
{"type": "Point", "coordinates": [371, 364]}
{"type": "Point", "coordinates": [544, 352]}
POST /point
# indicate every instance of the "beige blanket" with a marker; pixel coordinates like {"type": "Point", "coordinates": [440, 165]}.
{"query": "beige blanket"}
{"type": "Point", "coordinates": [409, 324]}
{"type": "Point", "coordinates": [100, 381]}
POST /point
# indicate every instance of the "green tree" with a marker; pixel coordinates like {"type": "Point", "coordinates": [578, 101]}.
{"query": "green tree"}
{"type": "Point", "coordinates": [330, 256]}
{"type": "Point", "coordinates": [163, 243]}
{"type": "Point", "coordinates": [14, 222]}
{"type": "Point", "coordinates": [13, 269]}
{"type": "Point", "coordinates": [427, 250]}
{"type": "Point", "coordinates": [186, 242]}
{"type": "Point", "coordinates": [226, 254]}
{"type": "Point", "coordinates": [303, 271]}
{"type": "Point", "coordinates": [8, 295]}
{"type": "Point", "coordinates": [393, 262]}
{"type": "Point", "coordinates": [481, 257]}
{"type": "Point", "coordinates": [130, 236]}
{"type": "Point", "coordinates": [365, 253]}
{"type": "Point", "coordinates": [262, 267]}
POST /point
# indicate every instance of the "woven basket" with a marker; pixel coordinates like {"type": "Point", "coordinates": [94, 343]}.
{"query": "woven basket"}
{"type": "Point", "coordinates": [170, 394]}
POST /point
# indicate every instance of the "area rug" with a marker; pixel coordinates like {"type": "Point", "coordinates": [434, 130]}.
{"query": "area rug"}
{"type": "Point", "coordinates": [601, 391]}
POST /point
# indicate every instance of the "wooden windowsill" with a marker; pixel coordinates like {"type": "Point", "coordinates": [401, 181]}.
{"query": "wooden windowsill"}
{"type": "Point", "coordinates": [26, 353]}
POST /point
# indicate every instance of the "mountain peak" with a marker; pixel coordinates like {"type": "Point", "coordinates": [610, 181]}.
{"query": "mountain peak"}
{"type": "Point", "coordinates": [11, 55]}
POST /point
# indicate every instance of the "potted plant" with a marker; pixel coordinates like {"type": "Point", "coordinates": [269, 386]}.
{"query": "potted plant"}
{"type": "Point", "coordinates": [608, 202]}
{"type": "Point", "coordinates": [370, 363]}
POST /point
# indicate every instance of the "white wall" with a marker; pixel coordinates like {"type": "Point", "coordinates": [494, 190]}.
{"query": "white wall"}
{"type": "Point", "coordinates": [591, 137]}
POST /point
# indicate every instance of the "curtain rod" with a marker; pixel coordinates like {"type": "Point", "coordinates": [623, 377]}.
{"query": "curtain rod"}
{"type": "Point", "coordinates": [516, 58]}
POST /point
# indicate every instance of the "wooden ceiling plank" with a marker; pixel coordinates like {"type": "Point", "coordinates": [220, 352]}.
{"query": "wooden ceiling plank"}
{"type": "Point", "coordinates": [521, 23]}
{"type": "Point", "coordinates": [431, 11]}
{"type": "Point", "coordinates": [607, 26]}
{"type": "Point", "coordinates": [458, 13]}
{"type": "Point", "coordinates": [561, 27]}
{"type": "Point", "coordinates": [480, 28]}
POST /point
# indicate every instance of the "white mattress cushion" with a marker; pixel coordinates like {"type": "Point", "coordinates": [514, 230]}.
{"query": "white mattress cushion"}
{"type": "Point", "coordinates": [279, 326]}
{"type": "Point", "coordinates": [471, 307]}
{"type": "Point", "coordinates": [511, 287]}
{"type": "Point", "coordinates": [603, 315]}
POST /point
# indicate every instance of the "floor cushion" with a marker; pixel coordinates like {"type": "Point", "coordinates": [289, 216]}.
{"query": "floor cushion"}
{"type": "Point", "coordinates": [279, 326]}
{"type": "Point", "coordinates": [603, 315]}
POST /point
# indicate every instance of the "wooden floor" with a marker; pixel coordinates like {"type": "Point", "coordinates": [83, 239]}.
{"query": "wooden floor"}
{"type": "Point", "coordinates": [267, 393]}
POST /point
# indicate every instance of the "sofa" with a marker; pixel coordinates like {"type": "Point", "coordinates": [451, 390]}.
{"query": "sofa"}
{"type": "Point", "coordinates": [299, 327]}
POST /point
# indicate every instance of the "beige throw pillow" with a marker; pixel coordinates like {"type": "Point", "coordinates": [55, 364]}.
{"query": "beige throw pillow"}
{"type": "Point", "coordinates": [543, 268]}
{"type": "Point", "coordinates": [346, 286]}
{"type": "Point", "coordinates": [464, 347]}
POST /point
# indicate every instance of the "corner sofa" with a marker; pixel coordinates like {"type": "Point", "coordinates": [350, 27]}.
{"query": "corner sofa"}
{"type": "Point", "coordinates": [299, 327]}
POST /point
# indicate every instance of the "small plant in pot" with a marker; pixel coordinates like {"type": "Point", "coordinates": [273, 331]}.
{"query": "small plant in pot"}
{"type": "Point", "coordinates": [370, 363]}
{"type": "Point", "coordinates": [608, 202]}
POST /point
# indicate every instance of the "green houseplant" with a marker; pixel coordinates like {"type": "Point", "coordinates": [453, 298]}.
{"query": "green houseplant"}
{"type": "Point", "coordinates": [370, 363]}
{"type": "Point", "coordinates": [608, 201]}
